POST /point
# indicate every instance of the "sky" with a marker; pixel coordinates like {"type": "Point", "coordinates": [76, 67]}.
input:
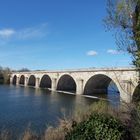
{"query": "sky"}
{"type": "Point", "coordinates": [57, 34]}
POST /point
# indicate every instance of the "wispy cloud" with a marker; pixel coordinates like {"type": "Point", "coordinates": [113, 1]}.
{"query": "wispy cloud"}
{"type": "Point", "coordinates": [11, 34]}
{"type": "Point", "coordinates": [92, 53]}
{"type": "Point", "coordinates": [6, 33]}
{"type": "Point", "coordinates": [33, 32]}
{"type": "Point", "coordinates": [111, 51]}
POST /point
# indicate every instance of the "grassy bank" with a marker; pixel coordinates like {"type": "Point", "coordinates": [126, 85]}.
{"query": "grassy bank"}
{"type": "Point", "coordinates": [98, 121]}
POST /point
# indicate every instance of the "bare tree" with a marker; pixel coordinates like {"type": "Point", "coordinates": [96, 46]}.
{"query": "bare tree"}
{"type": "Point", "coordinates": [123, 16]}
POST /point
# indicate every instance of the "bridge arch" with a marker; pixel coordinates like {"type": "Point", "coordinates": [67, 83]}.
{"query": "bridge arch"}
{"type": "Point", "coordinates": [22, 80]}
{"type": "Point", "coordinates": [66, 83]}
{"type": "Point", "coordinates": [14, 81]}
{"type": "Point", "coordinates": [100, 85]}
{"type": "Point", "coordinates": [32, 80]}
{"type": "Point", "coordinates": [46, 81]}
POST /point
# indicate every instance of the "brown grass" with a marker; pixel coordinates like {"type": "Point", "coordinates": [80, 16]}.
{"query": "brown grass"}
{"type": "Point", "coordinates": [5, 135]}
{"type": "Point", "coordinates": [29, 135]}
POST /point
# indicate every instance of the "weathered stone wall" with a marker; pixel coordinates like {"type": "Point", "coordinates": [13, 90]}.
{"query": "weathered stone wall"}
{"type": "Point", "coordinates": [126, 80]}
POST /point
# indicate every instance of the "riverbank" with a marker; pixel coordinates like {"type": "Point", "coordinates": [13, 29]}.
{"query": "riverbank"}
{"type": "Point", "coordinates": [30, 112]}
{"type": "Point", "coordinates": [102, 122]}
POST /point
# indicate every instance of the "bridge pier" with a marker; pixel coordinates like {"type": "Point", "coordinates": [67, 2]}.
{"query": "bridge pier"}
{"type": "Point", "coordinates": [37, 82]}
{"type": "Point", "coordinates": [26, 81]}
{"type": "Point", "coordinates": [79, 89]}
{"type": "Point", "coordinates": [54, 85]}
{"type": "Point", "coordinates": [17, 81]}
{"type": "Point", "coordinates": [11, 80]}
{"type": "Point", "coordinates": [126, 91]}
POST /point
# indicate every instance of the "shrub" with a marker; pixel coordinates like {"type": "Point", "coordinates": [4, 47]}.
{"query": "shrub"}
{"type": "Point", "coordinates": [54, 134]}
{"type": "Point", "coordinates": [99, 127]}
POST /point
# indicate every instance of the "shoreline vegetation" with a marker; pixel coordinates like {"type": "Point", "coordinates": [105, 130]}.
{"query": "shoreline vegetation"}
{"type": "Point", "coordinates": [95, 122]}
{"type": "Point", "coordinates": [5, 74]}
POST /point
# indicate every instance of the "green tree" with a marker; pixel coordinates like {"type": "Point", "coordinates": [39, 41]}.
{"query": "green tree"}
{"type": "Point", "coordinates": [123, 16]}
{"type": "Point", "coordinates": [4, 75]}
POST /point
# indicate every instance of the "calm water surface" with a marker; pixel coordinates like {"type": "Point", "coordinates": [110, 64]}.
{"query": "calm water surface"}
{"type": "Point", "coordinates": [21, 107]}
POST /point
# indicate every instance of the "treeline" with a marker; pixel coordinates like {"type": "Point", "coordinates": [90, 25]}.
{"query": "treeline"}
{"type": "Point", "coordinates": [5, 74]}
{"type": "Point", "coordinates": [21, 70]}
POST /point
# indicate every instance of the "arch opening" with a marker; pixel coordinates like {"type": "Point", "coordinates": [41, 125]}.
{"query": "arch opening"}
{"type": "Point", "coordinates": [22, 80]}
{"type": "Point", "coordinates": [45, 82]}
{"type": "Point", "coordinates": [136, 94]}
{"type": "Point", "coordinates": [14, 80]}
{"type": "Point", "coordinates": [1, 78]}
{"type": "Point", "coordinates": [66, 83]}
{"type": "Point", "coordinates": [31, 81]}
{"type": "Point", "coordinates": [102, 86]}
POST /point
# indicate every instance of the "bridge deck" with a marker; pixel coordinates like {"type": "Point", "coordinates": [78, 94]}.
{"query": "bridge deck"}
{"type": "Point", "coordinates": [81, 70]}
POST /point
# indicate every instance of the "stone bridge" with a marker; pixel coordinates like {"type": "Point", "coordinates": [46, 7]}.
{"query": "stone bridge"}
{"type": "Point", "coordinates": [82, 81]}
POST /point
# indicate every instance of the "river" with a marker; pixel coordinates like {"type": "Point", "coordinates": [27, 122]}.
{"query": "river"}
{"type": "Point", "coordinates": [21, 107]}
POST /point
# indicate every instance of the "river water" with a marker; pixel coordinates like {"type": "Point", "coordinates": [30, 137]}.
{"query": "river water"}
{"type": "Point", "coordinates": [21, 107]}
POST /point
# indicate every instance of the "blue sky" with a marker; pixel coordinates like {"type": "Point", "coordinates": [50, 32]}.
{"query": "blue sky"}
{"type": "Point", "coordinates": [56, 34]}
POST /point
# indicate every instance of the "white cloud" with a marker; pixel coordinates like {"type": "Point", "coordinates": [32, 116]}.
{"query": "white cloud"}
{"type": "Point", "coordinates": [32, 32]}
{"type": "Point", "coordinates": [35, 32]}
{"type": "Point", "coordinates": [111, 51]}
{"type": "Point", "coordinates": [6, 33]}
{"type": "Point", "coordinates": [92, 53]}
